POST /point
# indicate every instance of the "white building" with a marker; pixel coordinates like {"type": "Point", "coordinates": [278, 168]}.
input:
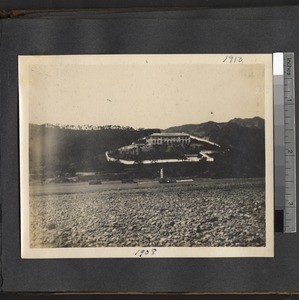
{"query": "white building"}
{"type": "Point", "coordinates": [166, 138]}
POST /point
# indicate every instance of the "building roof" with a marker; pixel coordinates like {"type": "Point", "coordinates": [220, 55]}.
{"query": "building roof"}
{"type": "Point", "coordinates": [170, 134]}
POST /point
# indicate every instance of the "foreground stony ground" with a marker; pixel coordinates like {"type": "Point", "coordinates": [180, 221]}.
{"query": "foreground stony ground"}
{"type": "Point", "coordinates": [217, 213]}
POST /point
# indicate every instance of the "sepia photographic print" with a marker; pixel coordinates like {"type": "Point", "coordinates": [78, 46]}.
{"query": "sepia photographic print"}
{"type": "Point", "coordinates": [146, 155]}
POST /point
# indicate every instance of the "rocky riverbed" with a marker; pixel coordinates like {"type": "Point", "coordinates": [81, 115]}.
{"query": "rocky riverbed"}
{"type": "Point", "coordinates": [217, 213]}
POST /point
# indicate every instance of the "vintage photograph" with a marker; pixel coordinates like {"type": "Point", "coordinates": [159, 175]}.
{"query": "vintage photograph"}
{"type": "Point", "coordinates": [146, 155]}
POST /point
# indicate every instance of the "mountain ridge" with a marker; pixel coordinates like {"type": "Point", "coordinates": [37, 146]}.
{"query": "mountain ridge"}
{"type": "Point", "coordinates": [254, 122]}
{"type": "Point", "coordinates": [208, 130]}
{"type": "Point", "coordinates": [56, 150]}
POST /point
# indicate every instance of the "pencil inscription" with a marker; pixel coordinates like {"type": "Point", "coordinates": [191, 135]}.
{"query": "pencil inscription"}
{"type": "Point", "coordinates": [233, 59]}
{"type": "Point", "coordinates": [146, 252]}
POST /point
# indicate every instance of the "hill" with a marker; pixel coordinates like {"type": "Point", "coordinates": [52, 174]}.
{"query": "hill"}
{"type": "Point", "coordinates": [56, 149]}
{"type": "Point", "coordinates": [212, 130]}
{"type": "Point", "coordinates": [243, 141]}
{"type": "Point", "coordinates": [255, 122]}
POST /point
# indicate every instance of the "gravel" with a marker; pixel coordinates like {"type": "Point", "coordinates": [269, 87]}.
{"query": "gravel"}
{"type": "Point", "coordinates": [165, 215]}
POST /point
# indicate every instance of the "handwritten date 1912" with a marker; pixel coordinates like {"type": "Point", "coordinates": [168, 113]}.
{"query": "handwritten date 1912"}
{"type": "Point", "coordinates": [146, 252]}
{"type": "Point", "coordinates": [233, 59]}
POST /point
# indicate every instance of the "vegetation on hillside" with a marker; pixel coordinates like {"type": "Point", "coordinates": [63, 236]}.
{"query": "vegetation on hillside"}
{"type": "Point", "coordinates": [56, 150]}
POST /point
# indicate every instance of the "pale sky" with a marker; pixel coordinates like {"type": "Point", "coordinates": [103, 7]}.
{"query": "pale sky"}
{"type": "Point", "coordinates": [144, 95]}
